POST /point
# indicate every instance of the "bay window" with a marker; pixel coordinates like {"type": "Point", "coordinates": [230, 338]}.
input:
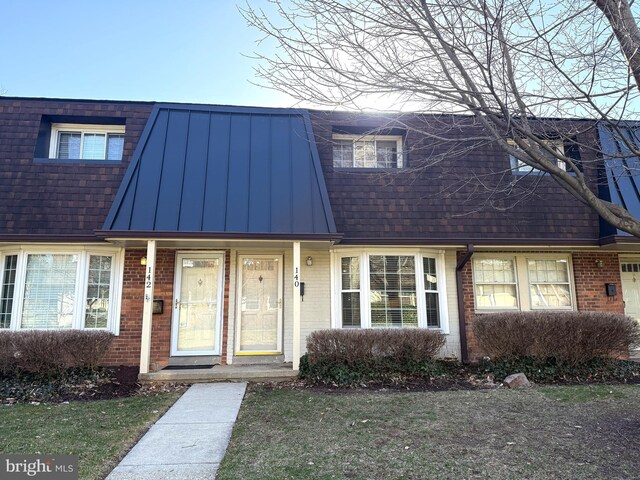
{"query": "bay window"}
{"type": "Point", "coordinates": [383, 290]}
{"type": "Point", "coordinates": [73, 288]}
{"type": "Point", "coordinates": [522, 282]}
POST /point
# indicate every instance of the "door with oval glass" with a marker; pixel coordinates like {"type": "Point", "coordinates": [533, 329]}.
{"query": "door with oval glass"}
{"type": "Point", "coordinates": [259, 322]}
{"type": "Point", "coordinates": [197, 306]}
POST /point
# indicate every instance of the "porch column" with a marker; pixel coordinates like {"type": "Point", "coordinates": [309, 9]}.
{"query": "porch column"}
{"type": "Point", "coordinates": [296, 305]}
{"type": "Point", "coordinates": [147, 312]}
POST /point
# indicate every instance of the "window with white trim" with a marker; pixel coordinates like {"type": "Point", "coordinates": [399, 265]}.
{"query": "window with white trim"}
{"type": "Point", "coordinates": [518, 166]}
{"type": "Point", "coordinates": [367, 151]}
{"type": "Point", "coordinates": [390, 290]}
{"type": "Point", "coordinates": [86, 142]}
{"type": "Point", "coordinates": [65, 289]}
{"type": "Point", "coordinates": [523, 282]}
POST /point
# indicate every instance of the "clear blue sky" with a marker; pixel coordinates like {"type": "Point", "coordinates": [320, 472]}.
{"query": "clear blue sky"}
{"type": "Point", "coordinates": [180, 50]}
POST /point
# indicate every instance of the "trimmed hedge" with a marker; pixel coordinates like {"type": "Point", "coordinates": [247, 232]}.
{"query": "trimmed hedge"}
{"type": "Point", "coordinates": [49, 353]}
{"type": "Point", "coordinates": [348, 357]}
{"type": "Point", "coordinates": [564, 337]}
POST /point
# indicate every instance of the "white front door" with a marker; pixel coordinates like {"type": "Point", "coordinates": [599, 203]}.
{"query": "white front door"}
{"type": "Point", "coordinates": [197, 305]}
{"type": "Point", "coordinates": [259, 321]}
{"type": "Point", "coordinates": [630, 274]}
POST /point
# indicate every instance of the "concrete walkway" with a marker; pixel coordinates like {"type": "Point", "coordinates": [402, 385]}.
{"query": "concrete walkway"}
{"type": "Point", "coordinates": [189, 441]}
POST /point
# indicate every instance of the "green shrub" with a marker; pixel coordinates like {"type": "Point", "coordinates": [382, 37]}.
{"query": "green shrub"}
{"type": "Point", "coordinates": [348, 357]}
{"type": "Point", "coordinates": [595, 370]}
{"type": "Point", "coordinates": [49, 353]}
{"type": "Point", "coordinates": [564, 337]}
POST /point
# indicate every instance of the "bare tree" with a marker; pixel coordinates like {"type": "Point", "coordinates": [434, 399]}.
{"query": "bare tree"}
{"type": "Point", "coordinates": [513, 67]}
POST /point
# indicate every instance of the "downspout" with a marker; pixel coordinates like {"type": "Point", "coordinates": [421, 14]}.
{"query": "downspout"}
{"type": "Point", "coordinates": [464, 352]}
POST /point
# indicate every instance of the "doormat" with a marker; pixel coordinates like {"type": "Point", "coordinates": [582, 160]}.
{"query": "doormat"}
{"type": "Point", "coordinates": [189, 367]}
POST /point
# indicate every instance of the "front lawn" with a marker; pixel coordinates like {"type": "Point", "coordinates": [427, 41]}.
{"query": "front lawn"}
{"type": "Point", "coordinates": [100, 432]}
{"type": "Point", "coordinates": [576, 432]}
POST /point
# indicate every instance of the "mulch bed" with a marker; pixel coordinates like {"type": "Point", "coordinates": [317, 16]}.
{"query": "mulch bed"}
{"type": "Point", "coordinates": [107, 384]}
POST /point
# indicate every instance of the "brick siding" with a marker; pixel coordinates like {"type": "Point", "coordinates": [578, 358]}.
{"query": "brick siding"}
{"type": "Point", "coordinates": [126, 347]}
{"type": "Point", "coordinates": [589, 283]}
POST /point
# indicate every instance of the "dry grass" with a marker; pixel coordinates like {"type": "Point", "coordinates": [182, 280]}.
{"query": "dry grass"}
{"type": "Point", "coordinates": [582, 432]}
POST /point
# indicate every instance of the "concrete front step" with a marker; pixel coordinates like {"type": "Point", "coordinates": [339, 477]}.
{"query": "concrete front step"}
{"type": "Point", "coordinates": [224, 373]}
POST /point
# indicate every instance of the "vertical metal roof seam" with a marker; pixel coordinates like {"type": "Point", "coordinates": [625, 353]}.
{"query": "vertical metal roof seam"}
{"type": "Point", "coordinates": [164, 152]}
{"type": "Point", "coordinates": [270, 166]}
{"type": "Point", "coordinates": [134, 182]}
{"type": "Point", "coordinates": [249, 172]}
{"type": "Point", "coordinates": [184, 168]}
{"type": "Point", "coordinates": [206, 171]}
{"type": "Point", "coordinates": [291, 199]}
{"type": "Point", "coordinates": [226, 200]}
{"type": "Point", "coordinates": [131, 171]}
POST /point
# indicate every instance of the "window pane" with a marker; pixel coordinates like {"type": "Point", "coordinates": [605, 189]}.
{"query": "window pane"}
{"type": "Point", "coordinates": [350, 273]}
{"type": "Point", "coordinates": [115, 146]}
{"type": "Point", "coordinates": [351, 309]}
{"type": "Point", "coordinates": [93, 147]}
{"type": "Point", "coordinates": [69, 145]}
{"type": "Point", "coordinates": [98, 291]}
{"type": "Point", "coordinates": [387, 154]}
{"type": "Point", "coordinates": [541, 271]}
{"type": "Point", "coordinates": [430, 279]}
{"type": "Point", "coordinates": [343, 153]}
{"type": "Point", "coordinates": [392, 291]}
{"type": "Point", "coordinates": [496, 296]}
{"type": "Point", "coordinates": [49, 292]}
{"type": "Point", "coordinates": [550, 295]}
{"type": "Point", "coordinates": [8, 287]}
{"type": "Point", "coordinates": [433, 315]}
{"type": "Point", "coordinates": [494, 270]}
{"type": "Point", "coordinates": [365, 154]}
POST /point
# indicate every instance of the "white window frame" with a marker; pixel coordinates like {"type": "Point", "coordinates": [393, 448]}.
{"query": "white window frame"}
{"type": "Point", "coordinates": [518, 167]}
{"type": "Point", "coordinates": [375, 138]}
{"type": "Point", "coordinates": [58, 128]}
{"type": "Point", "coordinates": [82, 277]}
{"type": "Point", "coordinates": [523, 291]}
{"type": "Point", "coordinates": [365, 297]}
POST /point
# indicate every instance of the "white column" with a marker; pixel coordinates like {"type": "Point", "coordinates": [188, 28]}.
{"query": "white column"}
{"type": "Point", "coordinates": [296, 305]}
{"type": "Point", "coordinates": [147, 312]}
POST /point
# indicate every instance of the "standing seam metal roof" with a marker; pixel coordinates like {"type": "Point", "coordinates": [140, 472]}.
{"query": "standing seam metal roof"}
{"type": "Point", "coordinates": [621, 166]}
{"type": "Point", "coordinates": [220, 169]}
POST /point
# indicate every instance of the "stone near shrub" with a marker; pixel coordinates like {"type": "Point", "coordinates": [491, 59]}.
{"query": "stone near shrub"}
{"type": "Point", "coordinates": [517, 380]}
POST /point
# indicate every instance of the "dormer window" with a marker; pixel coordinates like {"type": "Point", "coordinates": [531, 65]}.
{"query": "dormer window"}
{"type": "Point", "coordinates": [367, 151]}
{"type": "Point", "coordinates": [86, 142]}
{"type": "Point", "coordinates": [519, 167]}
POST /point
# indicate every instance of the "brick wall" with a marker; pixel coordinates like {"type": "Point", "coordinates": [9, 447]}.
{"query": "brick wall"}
{"type": "Point", "coordinates": [589, 283]}
{"type": "Point", "coordinates": [126, 348]}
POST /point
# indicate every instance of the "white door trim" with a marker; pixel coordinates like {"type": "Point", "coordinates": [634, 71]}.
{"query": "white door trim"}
{"type": "Point", "coordinates": [279, 350]}
{"type": "Point", "coordinates": [175, 313]}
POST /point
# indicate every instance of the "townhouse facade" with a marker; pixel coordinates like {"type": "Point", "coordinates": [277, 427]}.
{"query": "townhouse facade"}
{"type": "Point", "coordinates": [203, 234]}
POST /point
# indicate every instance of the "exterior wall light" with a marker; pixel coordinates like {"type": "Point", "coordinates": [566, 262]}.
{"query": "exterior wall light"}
{"type": "Point", "coordinates": [309, 261]}
{"type": "Point", "coordinates": [143, 261]}
{"type": "Point", "coordinates": [599, 263]}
